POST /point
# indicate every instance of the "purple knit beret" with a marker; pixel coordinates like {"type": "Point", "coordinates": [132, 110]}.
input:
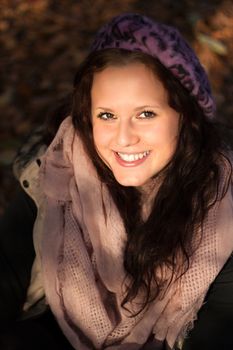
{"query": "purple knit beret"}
{"type": "Point", "coordinates": [135, 32]}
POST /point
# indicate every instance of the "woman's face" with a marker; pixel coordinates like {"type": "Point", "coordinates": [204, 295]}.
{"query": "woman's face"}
{"type": "Point", "coordinates": [135, 130]}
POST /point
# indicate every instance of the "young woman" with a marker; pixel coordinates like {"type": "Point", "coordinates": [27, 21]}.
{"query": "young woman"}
{"type": "Point", "coordinates": [133, 234]}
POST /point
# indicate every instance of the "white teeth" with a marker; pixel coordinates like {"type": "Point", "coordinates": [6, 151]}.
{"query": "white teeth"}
{"type": "Point", "coordinates": [132, 157]}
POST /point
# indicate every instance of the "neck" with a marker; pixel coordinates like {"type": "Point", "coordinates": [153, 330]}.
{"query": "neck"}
{"type": "Point", "coordinates": [148, 193]}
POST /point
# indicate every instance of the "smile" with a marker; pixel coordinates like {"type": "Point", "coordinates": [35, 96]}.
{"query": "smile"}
{"type": "Point", "coordinates": [132, 157]}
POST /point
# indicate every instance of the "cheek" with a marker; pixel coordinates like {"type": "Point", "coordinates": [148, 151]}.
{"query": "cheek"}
{"type": "Point", "coordinates": [96, 135]}
{"type": "Point", "coordinates": [164, 136]}
{"type": "Point", "coordinates": [100, 136]}
{"type": "Point", "coordinates": [102, 142]}
{"type": "Point", "coordinates": [171, 129]}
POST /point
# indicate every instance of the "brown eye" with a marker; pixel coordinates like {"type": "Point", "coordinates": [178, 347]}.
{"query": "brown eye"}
{"type": "Point", "coordinates": [106, 116]}
{"type": "Point", "coordinates": [147, 114]}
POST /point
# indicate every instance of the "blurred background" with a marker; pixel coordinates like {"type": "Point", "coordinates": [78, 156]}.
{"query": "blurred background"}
{"type": "Point", "coordinates": [43, 41]}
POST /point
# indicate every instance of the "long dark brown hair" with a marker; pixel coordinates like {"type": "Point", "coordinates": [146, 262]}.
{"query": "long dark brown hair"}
{"type": "Point", "coordinates": [189, 189]}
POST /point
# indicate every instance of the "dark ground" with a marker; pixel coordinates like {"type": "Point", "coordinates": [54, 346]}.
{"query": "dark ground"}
{"type": "Point", "coordinates": [43, 41]}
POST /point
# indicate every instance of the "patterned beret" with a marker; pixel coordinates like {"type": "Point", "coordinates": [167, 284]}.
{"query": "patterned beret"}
{"type": "Point", "coordinates": [135, 32]}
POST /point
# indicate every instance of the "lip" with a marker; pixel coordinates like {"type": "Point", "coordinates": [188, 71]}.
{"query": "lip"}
{"type": "Point", "coordinates": [130, 164]}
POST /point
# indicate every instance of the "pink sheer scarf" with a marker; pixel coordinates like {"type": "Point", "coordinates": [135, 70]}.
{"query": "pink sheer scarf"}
{"type": "Point", "coordinates": [82, 257]}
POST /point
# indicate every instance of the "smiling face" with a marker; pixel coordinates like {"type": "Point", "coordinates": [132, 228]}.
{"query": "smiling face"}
{"type": "Point", "coordinates": [135, 131]}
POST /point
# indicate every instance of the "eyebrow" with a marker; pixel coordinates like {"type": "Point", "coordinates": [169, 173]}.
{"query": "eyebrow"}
{"type": "Point", "coordinates": [146, 107]}
{"type": "Point", "coordinates": [105, 109]}
{"type": "Point", "coordinates": [136, 109]}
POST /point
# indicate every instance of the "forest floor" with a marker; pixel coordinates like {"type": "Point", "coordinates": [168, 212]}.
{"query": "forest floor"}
{"type": "Point", "coordinates": [43, 41]}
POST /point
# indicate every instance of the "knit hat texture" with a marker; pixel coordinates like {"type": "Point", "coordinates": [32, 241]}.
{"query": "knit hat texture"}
{"type": "Point", "coordinates": [135, 32]}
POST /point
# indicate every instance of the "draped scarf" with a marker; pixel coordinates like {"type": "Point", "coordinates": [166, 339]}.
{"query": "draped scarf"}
{"type": "Point", "coordinates": [82, 254]}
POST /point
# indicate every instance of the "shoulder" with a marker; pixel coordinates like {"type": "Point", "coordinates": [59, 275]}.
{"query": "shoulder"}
{"type": "Point", "coordinates": [29, 180]}
{"type": "Point", "coordinates": [27, 163]}
{"type": "Point", "coordinates": [225, 164]}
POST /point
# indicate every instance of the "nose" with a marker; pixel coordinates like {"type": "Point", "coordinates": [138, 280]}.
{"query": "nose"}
{"type": "Point", "coordinates": [126, 134]}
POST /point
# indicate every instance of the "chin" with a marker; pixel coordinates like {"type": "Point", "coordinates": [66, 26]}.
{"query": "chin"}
{"type": "Point", "coordinates": [130, 182]}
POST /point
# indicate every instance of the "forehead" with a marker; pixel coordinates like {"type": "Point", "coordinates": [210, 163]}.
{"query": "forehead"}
{"type": "Point", "coordinates": [127, 80]}
{"type": "Point", "coordinates": [130, 68]}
